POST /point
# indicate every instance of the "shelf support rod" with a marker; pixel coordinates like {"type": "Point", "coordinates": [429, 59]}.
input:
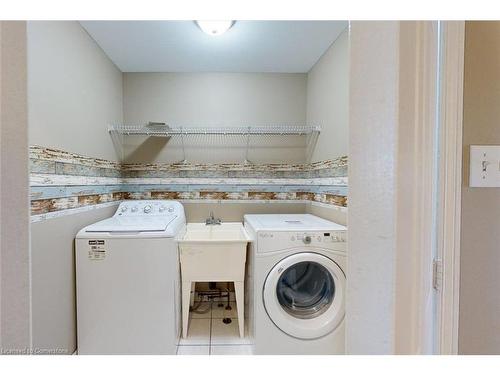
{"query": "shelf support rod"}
{"type": "Point", "coordinates": [184, 160]}
{"type": "Point", "coordinates": [246, 161]}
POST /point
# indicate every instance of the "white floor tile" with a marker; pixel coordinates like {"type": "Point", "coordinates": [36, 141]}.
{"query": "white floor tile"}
{"type": "Point", "coordinates": [226, 334]}
{"type": "Point", "coordinates": [198, 332]}
{"type": "Point", "coordinates": [193, 350]}
{"type": "Point", "coordinates": [221, 312]}
{"type": "Point", "coordinates": [231, 350]}
{"type": "Point", "coordinates": [203, 307]}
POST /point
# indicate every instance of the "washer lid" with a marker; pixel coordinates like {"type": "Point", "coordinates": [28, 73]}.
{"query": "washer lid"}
{"type": "Point", "coordinates": [132, 224]}
{"type": "Point", "coordinates": [291, 222]}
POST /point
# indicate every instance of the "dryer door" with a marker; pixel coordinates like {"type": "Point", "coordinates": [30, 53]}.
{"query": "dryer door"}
{"type": "Point", "coordinates": [304, 295]}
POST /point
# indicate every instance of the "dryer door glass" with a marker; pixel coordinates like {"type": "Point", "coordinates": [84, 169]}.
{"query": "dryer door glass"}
{"type": "Point", "coordinates": [305, 290]}
{"type": "Point", "coordinates": [304, 295]}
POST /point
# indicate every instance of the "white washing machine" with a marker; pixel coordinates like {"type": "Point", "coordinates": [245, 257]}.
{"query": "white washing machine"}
{"type": "Point", "coordinates": [127, 280]}
{"type": "Point", "coordinates": [296, 279]}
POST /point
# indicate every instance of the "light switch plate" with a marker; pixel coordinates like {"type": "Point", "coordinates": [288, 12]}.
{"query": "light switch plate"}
{"type": "Point", "coordinates": [484, 166]}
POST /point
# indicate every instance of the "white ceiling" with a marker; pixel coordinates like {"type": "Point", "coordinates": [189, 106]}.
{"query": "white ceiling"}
{"type": "Point", "coordinates": [180, 46]}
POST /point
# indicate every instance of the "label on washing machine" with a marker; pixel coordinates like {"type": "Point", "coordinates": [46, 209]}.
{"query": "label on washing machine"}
{"type": "Point", "coordinates": [97, 250]}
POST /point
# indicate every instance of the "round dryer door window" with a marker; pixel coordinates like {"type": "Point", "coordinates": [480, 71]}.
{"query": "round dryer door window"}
{"type": "Point", "coordinates": [304, 295]}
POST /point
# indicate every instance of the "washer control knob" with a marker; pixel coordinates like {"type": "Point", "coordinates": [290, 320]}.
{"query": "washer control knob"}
{"type": "Point", "coordinates": [147, 209]}
{"type": "Point", "coordinates": [170, 209]}
{"type": "Point", "coordinates": [134, 209]}
{"type": "Point", "coordinates": [161, 209]}
{"type": "Point", "coordinates": [124, 208]}
{"type": "Point", "coordinates": [307, 240]}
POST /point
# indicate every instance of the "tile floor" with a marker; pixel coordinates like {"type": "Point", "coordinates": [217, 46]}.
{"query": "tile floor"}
{"type": "Point", "coordinates": [208, 335]}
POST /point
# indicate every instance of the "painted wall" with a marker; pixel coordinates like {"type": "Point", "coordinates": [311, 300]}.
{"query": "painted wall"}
{"type": "Point", "coordinates": [208, 99]}
{"type": "Point", "coordinates": [328, 99]}
{"type": "Point", "coordinates": [328, 106]}
{"type": "Point", "coordinates": [53, 279]}
{"type": "Point", "coordinates": [74, 90]}
{"type": "Point", "coordinates": [335, 214]}
{"type": "Point", "coordinates": [198, 212]}
{"type": "Point", "coordinates": [15, 290]}
{"type": "Point", "coordinates": [479, 319]}
{"type": "Point", "coordinates": [370, 307]}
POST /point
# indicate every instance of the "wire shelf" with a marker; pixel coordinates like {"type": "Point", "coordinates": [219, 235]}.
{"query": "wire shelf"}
{"type": "Point", "coordinates": [161, 130]}
{"type": "Point", "coordinates": [187, 134]}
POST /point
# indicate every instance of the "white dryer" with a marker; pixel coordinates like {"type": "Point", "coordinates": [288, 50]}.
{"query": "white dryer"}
{"type": "Point", "coordinates": [127, 280]}
{"type": "Point", "coordinates": [296, 279]}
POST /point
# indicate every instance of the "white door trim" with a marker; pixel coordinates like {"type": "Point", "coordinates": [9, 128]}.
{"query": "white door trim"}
{"type": "Point", "coordinates": [450, 176]}
{"type": "Point", "coordinates": [429, 192]}
{"type": "Point", "coordinates": [417, 178]}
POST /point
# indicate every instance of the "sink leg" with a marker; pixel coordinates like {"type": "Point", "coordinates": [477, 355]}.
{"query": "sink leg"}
{"type": "Point", "coordinates": [186, 298]}
{"type": "Point", "coordinates": [240, 306]}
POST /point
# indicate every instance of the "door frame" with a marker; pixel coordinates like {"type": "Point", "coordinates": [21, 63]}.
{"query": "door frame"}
{"type": "Point", "coordinates": [405, 183]}
{"type": "Point", "coordinates": [450, 186]}
{"type": "Point", "coordinates": [430, 266]}
{"type": "Point", "coordinates": [417, 181]}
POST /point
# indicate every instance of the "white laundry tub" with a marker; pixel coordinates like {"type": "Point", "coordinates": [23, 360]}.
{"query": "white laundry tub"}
{"type": "Point", "coordinates": [213, 253]}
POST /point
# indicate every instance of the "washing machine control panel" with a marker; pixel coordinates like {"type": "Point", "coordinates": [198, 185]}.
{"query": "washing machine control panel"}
{"type": "Point", "coordinates": [276, 241]}
{"type": "Point", "coordinates": [315, 237]}
{"type": "Point", "coordinates": [148, 208]}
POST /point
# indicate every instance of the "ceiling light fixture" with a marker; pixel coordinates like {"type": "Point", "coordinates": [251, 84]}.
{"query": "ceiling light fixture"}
{"type": "Point", "coordinates": [214, 28]}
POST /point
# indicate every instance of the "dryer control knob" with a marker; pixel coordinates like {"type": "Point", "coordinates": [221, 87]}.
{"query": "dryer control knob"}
{"type": "Point", "coordinates": [170, 209]}
{"type": "Point", "coordinates": [147, 209]}
{"type": "Point", "coordinates": [134, 209]}
{"type": "Point", "coordinates": [307, 240]}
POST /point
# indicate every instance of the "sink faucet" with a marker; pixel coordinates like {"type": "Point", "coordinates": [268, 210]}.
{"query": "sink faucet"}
{"type": "Point", "coordinates": [211, 220]}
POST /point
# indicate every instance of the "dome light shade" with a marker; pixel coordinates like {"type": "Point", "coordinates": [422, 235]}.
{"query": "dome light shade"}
{"type": "Point", "coordinates": [214, 28]}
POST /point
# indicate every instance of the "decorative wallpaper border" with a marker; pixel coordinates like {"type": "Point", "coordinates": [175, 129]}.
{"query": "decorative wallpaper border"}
{"type": "Point", "coordinates": [63, 181]}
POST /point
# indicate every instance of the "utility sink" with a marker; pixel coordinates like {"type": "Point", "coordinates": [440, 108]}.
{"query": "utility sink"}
{"type": "Point", "coordinates": [212, 253]}
{"type": "Point", "coordinates": [227, 232]}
